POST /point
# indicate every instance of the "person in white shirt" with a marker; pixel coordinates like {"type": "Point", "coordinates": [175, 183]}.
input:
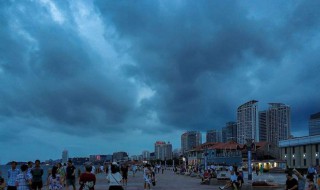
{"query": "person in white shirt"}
{"type": "Point", "coordinates": [114, 178]}
{"type": "Point", "coordinates": [147, 176]}
{"type": "Point", "coordinates": [232, 182]}
{"type": "Point", "coordinates": [93, 170]}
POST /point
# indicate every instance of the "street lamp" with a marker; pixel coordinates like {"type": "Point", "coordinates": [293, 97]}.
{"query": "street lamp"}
{"type": "Point", "coordinates": [205, 158]}
{"type": "Point", "coordinates": [165, 162]}
{"type": "Point", "coordinates": [249, 148]}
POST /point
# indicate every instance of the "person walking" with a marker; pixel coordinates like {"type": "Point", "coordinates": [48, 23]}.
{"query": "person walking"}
{"type": "Point", "coordinates": [30, 166]}
{"type": "Point", "coordinates": [12, 176]}
{"type": "Point", "coordinates": [37, 173]}
{"type": "Point", "coordinates": [114, 178]}
{"type": "Point", "coordinates": [23, 180]}
{"type": "Point", "coordinates": [62, 172]}
{"type": "Point", "coordinates": [134, 170]}
{"type": "Point", "coordinates": [147, 176]}
{"type": "Point", "coordinates": [87, 179]}
{"type": "Point", "coordinates": [261, 169]}
{"type": "Point", "coordinates": [93, 170]}
{"type": "Point", "coordinates": [54, 180]}
{"type": "Point", "coordinates": [71, 176]}
{"type": "Point", "coordinates": [124, 172]}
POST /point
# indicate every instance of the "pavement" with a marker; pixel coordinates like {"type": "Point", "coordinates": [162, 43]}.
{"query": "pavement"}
{"type": "Point", "coordinates": [171, 181]}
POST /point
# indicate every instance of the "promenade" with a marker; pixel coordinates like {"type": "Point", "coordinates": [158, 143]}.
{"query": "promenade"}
{"type": "Point", "coordinates": [171, 181]}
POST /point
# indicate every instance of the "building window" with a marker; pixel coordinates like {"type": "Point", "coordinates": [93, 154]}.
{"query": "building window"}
{"type": "Point", "coordinates": [317, 148]}
{"type": "Point", "coordinates": [293, 150]}
{"type": "Point", "coordinates": [304, 162]}
{"type": "Point", "coordinates": [285, 150]}
{"type": "Point", "coordinates": [304, 148]}
{"type": "Point", "coordinates": [294, 162]}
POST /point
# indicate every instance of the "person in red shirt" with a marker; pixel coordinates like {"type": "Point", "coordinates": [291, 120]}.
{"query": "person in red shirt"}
{"type": "Point", "coordinates": [87, 179]}
{"type": "Point", "coordinates": [206, 177]}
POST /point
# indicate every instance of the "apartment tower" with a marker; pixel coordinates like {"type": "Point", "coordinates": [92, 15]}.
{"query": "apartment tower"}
{"type": "Point", "coordinates": [278, 122]}
{"type": "Point", "coordinates": [247, 122]}
{"type": "Point", "coordinates": [190, 140]}
{"type": "Point", "coordinates": [314, 124]}
{"type": "Point", "coordinates": [213, 136]}
{"type": "Point", "coordinates": [163, 150]}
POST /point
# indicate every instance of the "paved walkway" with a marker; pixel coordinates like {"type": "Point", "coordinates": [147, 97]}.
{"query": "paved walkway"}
{"type": "Point", "coordinates": [171, 181]}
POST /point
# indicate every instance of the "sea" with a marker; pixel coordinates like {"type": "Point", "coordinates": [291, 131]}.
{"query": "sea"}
{"type": "Point", "coordinates": [4, 170]}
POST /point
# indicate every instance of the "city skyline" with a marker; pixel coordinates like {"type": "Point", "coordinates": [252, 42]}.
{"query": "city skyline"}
{"type": "Point", "coordinates": [93, 77]}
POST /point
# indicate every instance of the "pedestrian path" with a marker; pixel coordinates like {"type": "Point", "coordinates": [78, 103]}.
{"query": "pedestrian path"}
{"type": "Point", "coordinates": [171, 181]}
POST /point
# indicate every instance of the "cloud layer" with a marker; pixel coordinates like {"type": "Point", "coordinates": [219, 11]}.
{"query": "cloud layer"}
{"type": "Point", "coordinates": [109, 71]}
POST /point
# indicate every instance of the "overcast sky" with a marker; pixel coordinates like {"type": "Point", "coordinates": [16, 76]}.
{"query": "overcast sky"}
{"type": "Point", "coordinates": [95, 77]}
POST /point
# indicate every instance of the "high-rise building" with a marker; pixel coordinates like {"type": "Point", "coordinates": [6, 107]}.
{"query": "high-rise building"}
{"type": "Point", "coordinates": [274, 123]}
{"type": "Point", "coordinates": [224, 134]}
{"type": "Point", "coordinates": [65, 156]}
{"type": "Point", "coordinates": [278, 122]}
{"type": "Point", "coordinates": [190, 140]}
{"type": "Point", "coordinates": [134, 157]}
{"type": "Point", "coordinates": [263, 132]}
{"type": "Point", "coordinates": [120, 156]}
{"type": "Point", "coordinates": [247, 122]}
{"type": "Point", "coordinates": [100, 158]}
{"type": "Point", "coordinates": [213, 136]}
{"type": "Point", "coordinates": [145, 155]}
{"type": "Point", "coordinates": [184, 142]}
{"type": "Point", "coordinates": [176, 153]}
{"type": "Point", "coordinates": [314, 124]}
{"type": "Point", "coordinates": [163, 150]}
{"type": "Point", "coordinates": [230, 132]}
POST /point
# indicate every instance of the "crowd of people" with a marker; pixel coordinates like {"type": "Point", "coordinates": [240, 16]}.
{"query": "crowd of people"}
{"type": "Point", "coordinates": [64, 176]}
{"type": "Point", "coordinates": [307, 181]}
{"type": "Point", "coordinates": [295, 180]}
{"type": "Point", "coordinates": [29, 176]}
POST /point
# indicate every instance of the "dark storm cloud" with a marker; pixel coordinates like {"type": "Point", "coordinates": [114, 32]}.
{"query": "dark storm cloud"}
{"type": "Point", "coordinates": [205, 58]}
{"type": "Point", "coordinates": [49, 73]}
{"type": "Point", "coordinates": [201, 60]}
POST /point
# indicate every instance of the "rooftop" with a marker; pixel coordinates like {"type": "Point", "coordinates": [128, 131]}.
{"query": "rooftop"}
{"type": "Point", "coordinates": [314, 139]}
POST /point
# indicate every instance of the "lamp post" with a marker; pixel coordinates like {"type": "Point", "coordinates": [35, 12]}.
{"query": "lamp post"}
{"type": "Point", "coordinates": [249, 148]}
{"type": "Point", "coordinates": [165, 162]}
{"type": "Point", "coordinates": [205, 158]}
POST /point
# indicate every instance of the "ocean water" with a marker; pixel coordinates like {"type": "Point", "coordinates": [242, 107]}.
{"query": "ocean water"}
{"type": "Point", "coordinates": [4, 171]}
